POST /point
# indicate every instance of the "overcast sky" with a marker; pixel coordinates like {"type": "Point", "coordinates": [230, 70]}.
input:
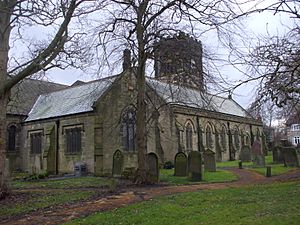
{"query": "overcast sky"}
{"type": "Point", "coordinates": [255, 25]}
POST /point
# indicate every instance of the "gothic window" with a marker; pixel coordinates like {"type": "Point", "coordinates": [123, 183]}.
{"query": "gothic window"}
{"type": "Point", "coordinates": [258, 135]}
{"type": "Point", "coordinates": [236, 139]}
{"type": "Point", "coordinates": [73, 140]}
{"type": "Point", "coordinates": [189, 137]}
{"type": "Point", "coordinates": [247, 140]}
{"type": "Point", "coordinates": [36, 143]}
{"type": "Point", "coordinates": [242, 138]}
{"type": "Point", "coordinates": [11, 142]}
{"type": "Point", "coordinates": [223, 141]}
{"type": "Point", "coordinates": [128, 130]}
{"type": "Point", "coordinates": [209, 140]}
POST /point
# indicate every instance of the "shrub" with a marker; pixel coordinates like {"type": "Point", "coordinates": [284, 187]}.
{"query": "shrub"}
{"type": "Point", "coordinates": [168, 165]}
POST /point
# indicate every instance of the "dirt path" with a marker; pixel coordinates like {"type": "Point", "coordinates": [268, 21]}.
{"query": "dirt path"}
{"type": "Point", "coordinates": [137, 194]}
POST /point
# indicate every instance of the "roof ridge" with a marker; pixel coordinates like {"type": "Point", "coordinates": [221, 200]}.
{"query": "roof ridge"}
{"type": "Point", "coordinates": [45, 81]}
{"type": "Point", "coordinates": [85, 83]}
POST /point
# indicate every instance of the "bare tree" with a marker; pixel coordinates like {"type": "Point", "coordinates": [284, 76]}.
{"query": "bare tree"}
{"type": "Point", "coordinates": [48, 52]}
{"type": "Point", "coordinates": [138, 25]}
{"type": "Point", "coordinates": [274, 62]}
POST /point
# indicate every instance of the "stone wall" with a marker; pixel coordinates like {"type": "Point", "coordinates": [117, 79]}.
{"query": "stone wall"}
{"type": "Point", "coordinates": [216, 121]}
{"type": "Point", "coordinates": [40, 162]}
{"type": "Point", "coordinates": [15, 156]}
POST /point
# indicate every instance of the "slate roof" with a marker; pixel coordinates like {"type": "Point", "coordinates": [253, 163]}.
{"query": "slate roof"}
{"type": "Point", "coordinates": [73, 100]}
{"type": "Point", "coordinates": [80, 99]}
{"type": "Point", "coordinates": [24, 94]}
{"type": "Point", "coordinates": [183, 96]}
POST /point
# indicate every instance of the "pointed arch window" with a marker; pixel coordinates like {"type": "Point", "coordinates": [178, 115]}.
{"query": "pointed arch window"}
{"type": "Point", "coordinates": [223, 138]}
{"type": "Point", "coordinates": [258, 135]}
{"type": "Point", "coordinates": [247, 140]}
{"type": "Point", "coordinates": [11, 142]}
{"type": "Point", "coordinates": [209, 140]}
{"type": "Point", "coordinates": [129, 130]}
{"type": "Point", "coordinates": [236, 139]}
{"type": "Point", "coordinates": [189, 136]}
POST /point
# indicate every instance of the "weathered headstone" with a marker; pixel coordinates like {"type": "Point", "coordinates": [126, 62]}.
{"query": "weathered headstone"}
{"type": "Point", "coordinates": [209, 161]}
{"type": "Point", "coordinates": [258, 155]}
{"type": "Point", "coordinates": [290, 156]}
{"type": "Point", "coordinates": [277, 155]}
{"type": "Point", "coordinates": [118, 160]}
{"type": "Point", "coordinates": [195, 166]}
{"type": "Point", "coordinates": [180, 164]}
{"type": "Point", "coordinates": [245, 155]}
{"type": "Point", "coordinates": [153, 167]}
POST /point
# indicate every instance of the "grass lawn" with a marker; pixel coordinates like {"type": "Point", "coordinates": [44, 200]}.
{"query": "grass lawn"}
{"type": "Point", "coordinates": [76, 182]}
{"type": "Point", "coordinates": [234, 163]}
{"type": "Point", "coordinates": [28, 201]}
{"type": "Point", "coordinates": [264, 204]}
{"type": "Point", "coordinates": [208, 177]}
{"type": "Point", "coordinates": [277, 169]}
{"type": "Point", "coordinates": [29, 196]}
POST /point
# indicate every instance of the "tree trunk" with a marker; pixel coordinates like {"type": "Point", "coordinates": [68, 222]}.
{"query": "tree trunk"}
{"type": "Point", "coordinates": [142, 176]}
{"type": "Point", "coordinates": [6, 9]}
{"type": "Point", "coordinates": [3, 173]}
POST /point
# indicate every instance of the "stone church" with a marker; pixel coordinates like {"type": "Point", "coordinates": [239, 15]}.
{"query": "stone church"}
{"type": "Point", "coordinates": [52, 127]}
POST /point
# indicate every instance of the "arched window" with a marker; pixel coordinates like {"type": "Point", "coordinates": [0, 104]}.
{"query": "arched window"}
{"type": "Point", "coordinates": [209, 140]}
{"type": "Point", "coordinates": [258, 135]}
{"type": "Point", "coordinates": [189, 137]}
{"type": "Point", "coordinates": [242, 138]}
{"type": "Point", "coordinates": [247, 140]}
{"type": "Point", "coordinates": [11, 142]}
{"type": "Point", "coordinates": [128, 129]}
{"type": "Point", "coordinates": [223, 141]}
{"type": "Point", "coordinates": [236, 139]}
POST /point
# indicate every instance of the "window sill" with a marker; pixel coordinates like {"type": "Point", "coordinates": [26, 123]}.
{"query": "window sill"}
{"type": "Point", "coordinates": [72, 153]}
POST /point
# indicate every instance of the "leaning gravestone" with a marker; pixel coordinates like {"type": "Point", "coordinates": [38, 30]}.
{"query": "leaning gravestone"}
{"type": "Point", "coordinates": [277, 155]}
{"type": "Point", "coordinates": [118, 160]}
{"type": "Point", "coordinates": [195, 166]}
{"type": "Point", "coordinates": [153, 169]}
{"type": "Point", "coordinates": [245, 155]}
{"type": "Point", "coordinates": [258, 155]}
{"type": "Point", "coordinates": [209, 161]}
{"type": "Point", "coordinates": [290, 156]}
{"type": "Point", "coordinates": [180, 164]}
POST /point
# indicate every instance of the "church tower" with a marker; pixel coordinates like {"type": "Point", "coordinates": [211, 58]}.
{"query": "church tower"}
{"type": "Point", "coordinates": [178, 60]}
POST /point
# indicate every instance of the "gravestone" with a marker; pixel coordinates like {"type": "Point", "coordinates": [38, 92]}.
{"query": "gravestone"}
{"type": "Point", "coordinates": [290, 156]}
{"type": "Point", "coordinates": [277, 155]}
{"type": "Point", "coordinates": [258, 155]}
{"type": "Point", "coordinates": [153, 169]}
{"type": "Point", "coordinates": [118, 160]}
{"type": "Point", "coordinates": [195, 166]}
{"type": "Point", "coordinates": [245, 155]}
{"type": "Point", "coordinates": [180, 165]}
{"type": "Point", "coordinates": [209, 161]}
